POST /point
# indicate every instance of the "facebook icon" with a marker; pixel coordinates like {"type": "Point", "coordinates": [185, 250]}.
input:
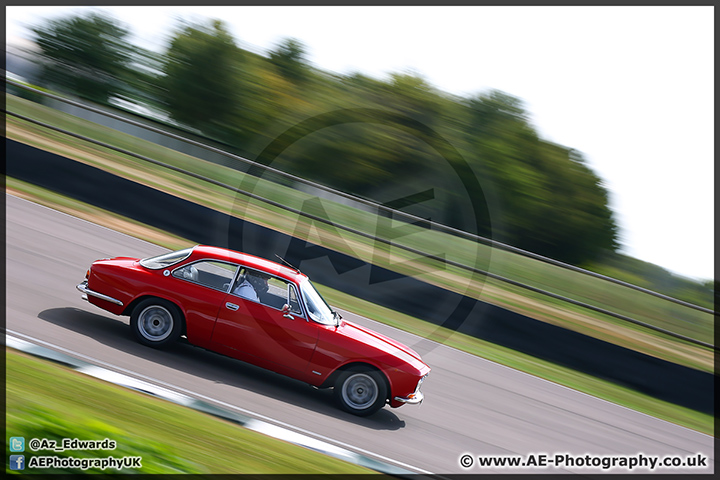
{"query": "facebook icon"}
{"type": "Point", "coordinates": [17, 462]}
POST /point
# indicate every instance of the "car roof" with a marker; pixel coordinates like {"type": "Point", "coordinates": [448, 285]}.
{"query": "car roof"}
{"type": "Point", "coordinates": [247, 260]}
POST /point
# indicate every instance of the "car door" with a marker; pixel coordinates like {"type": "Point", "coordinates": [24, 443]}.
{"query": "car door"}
{"type": "Point", "coordinates": [283, 341]}
{"type": "Point", "coordinates": [202, 286]}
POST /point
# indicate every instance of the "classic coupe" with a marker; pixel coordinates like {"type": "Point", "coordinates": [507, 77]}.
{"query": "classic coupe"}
{"type": "Point", "coordinates": [259, 311]}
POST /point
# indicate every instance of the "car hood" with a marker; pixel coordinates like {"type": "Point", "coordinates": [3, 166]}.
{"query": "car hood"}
{"type": "Point", "coordinates": [381, 342]}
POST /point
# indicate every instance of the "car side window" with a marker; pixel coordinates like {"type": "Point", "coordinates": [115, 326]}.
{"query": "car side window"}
{"type": "Point", "coordinates": [293, 300]}
{"type": "Point", "coordinates": [217, 275]}
{"type": "Point", "coordinates": [276, 295]}
{"type": "Point", "coordinates": [268, 290]}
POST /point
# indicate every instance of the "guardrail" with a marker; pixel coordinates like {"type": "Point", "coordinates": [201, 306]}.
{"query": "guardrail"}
{"type": "Point", "coordinates": [380, 208]}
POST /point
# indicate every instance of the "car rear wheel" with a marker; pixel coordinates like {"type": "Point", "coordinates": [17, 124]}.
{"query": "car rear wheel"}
{"type": "Point", "coordinates": [156, 322]}
{"type": "Point", "coordinates": [361, 391]}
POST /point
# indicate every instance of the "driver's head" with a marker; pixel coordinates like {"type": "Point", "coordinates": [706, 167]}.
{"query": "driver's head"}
{"type": "Point", "coordinates": [259, 281]}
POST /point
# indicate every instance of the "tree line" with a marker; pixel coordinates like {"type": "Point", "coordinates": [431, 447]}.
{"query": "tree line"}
{"type": "Point", "coordinates": [540, 196]}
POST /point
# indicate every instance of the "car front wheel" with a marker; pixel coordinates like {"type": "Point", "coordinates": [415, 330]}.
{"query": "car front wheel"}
{"type": "Point", "coordinates": [361, 391]}
{"type": "Point", "coordinates": [156, 322]}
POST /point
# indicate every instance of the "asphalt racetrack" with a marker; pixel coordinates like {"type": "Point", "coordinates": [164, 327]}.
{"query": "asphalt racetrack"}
{"type": "Point", "coordinates": [472, 406]}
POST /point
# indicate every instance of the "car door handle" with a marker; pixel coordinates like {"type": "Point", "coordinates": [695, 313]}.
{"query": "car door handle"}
{"type": "Point", "coordinates": [232, 306]}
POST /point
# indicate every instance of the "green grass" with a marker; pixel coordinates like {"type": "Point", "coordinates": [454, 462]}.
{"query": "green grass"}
{"type": "Point", "coordinates": [45, 400]}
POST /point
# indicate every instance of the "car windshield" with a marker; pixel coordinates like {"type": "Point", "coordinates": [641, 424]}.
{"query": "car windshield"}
{"type": "Point", "coordinates": [317, 307]}
{"type": "Point", "coordinates": [166, 259]}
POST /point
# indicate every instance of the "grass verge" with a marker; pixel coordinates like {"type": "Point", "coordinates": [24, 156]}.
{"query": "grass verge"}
{"type": "Point", "coordinates": [45, 400]}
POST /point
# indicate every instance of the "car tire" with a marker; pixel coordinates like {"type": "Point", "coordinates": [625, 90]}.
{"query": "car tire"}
{"type": "Point", "coordinates": [156, 322]}
{"type": "Point", "coordinates": [360, 390]}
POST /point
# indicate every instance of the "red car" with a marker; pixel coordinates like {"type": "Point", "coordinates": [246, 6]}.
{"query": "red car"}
{"type": "Point", "coordinates": [260, 312]}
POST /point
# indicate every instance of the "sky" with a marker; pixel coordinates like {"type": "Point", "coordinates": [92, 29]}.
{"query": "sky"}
{"type": "Point", "coordinates": [631, 88]}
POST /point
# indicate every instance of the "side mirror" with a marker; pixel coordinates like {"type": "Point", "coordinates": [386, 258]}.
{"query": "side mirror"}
{"type": "Point", "coordinates": [286, 312]}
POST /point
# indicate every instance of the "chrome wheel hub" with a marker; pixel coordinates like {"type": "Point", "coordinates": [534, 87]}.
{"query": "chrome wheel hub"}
{"type": "Point", "coordinates": [360, 391]}
{"type": "Point", "coordinates": [155, 323]}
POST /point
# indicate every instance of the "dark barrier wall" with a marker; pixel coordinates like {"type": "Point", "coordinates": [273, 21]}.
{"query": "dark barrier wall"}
{"type": "Point", "coordinates": [661, 379]}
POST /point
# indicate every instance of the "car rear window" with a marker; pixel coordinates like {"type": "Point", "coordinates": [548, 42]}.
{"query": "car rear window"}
{"type": "Point", "coordinates": [166, 259]}
{"type": "Point", "coordinates": [217, 275]}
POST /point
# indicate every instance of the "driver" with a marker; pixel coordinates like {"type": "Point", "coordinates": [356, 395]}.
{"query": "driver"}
{"type": "Point", "coordinates": [254, 285]}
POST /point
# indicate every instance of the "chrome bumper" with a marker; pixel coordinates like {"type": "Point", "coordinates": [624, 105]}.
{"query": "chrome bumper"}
{"type": "Point", "coordinates": [412, 399]}
{"type": "Point", "coordinates": [86, 291]}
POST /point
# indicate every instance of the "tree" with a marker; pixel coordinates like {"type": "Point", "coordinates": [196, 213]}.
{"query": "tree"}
{"type": "Point", "coordinates": [289, 59]}
{"type": "Point", "coordinates": [201, 77]}
{"type": "Point", "coordinates": [552, 203]}
{"type": "Point", "coordinates": [411, 95]}
{"type": "Point", "coordinates": [85, 55]}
